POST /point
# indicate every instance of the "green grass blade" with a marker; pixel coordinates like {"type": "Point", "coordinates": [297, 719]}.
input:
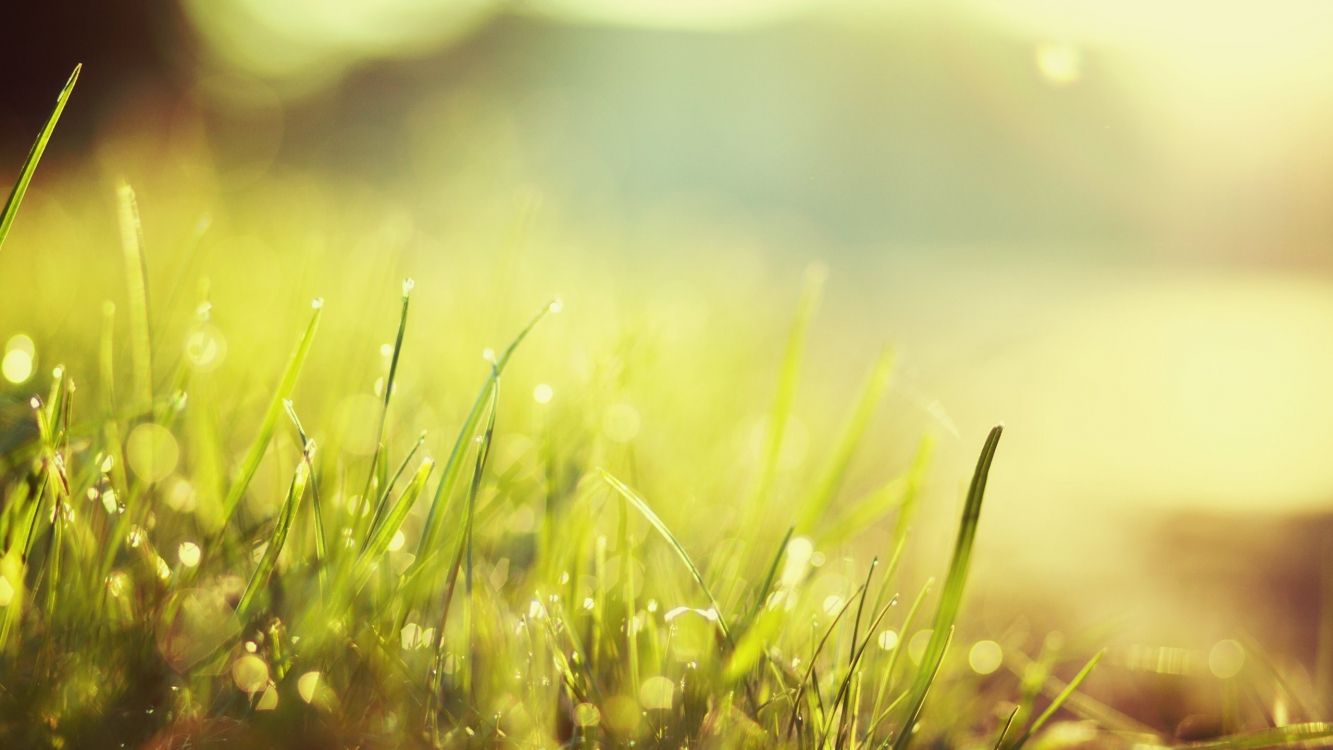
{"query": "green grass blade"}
{"type": "Point", "coordinates": [872, 393]}
{"type": "Point", "coordinates": [136, 280]}
{"type": "Point", "coordinates": [951, 598]}
{"type": "Point", "coordinates": [308, 455]}
{"type": "Point", "coordinates": [788, 380]}
{"type": "Point", "coordinates": [34, 156]}
{"type": "Point", "coordinates": [1059, 701]}
{"type": "Point", "coordinates": [429, 545]}
{"type": "Point", "coordinates": [1292, 735]}
{"type": "Point", "coordinates": [382, 535]}
{"type": "Point", "coordinates": [255, 453]}
{"type": "Point", "coordinates": [1004, 730]}
{"type": "Point", "coordinates": [646, 511]}
{"type": "Point", "coordinates": [379, 456]}
{"type": "Point", "coordinates": [259, 579]}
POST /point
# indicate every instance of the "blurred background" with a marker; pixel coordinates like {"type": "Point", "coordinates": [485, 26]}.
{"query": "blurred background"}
{"type": "Point", "coordinates": [1107, 225]}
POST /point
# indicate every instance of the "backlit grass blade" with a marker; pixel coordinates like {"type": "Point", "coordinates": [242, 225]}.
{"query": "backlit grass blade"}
{"type": "Point", "coordinates": [380, 537]}
{"type": "Point", "coordinates": [788, 380]}
{"type": "Point", "coordinates": [379, 456]}
{"type": "Point", "coordinates": [429, 545]}
{"type": "Point", "coordinates": [951, 597]}
{"type": "Point", "coordinates": [1004, 730]}
{"type": "Point", "coordinates": [646, 511]}
{"type": "Point", "coordinates": [34, 156]}
{"type": "Point", "coordinates": [872, 393]}
{"type": "Point", "coordinates": [269, 560]}
{"type": "Point", "coordinates": [1292, 735]}
{"type": "Point", "coordinates": [136, 280]}
{"type": "Point", "coordinates": [308, 455]}
{"type": "Point", "coordinates": [255, 454]}
{"type": "Point", "coordinates": [1059, 701]}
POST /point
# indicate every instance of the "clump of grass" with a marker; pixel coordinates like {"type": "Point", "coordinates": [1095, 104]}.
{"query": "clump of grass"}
{"type": "Point", "coordinates": [382, 613]}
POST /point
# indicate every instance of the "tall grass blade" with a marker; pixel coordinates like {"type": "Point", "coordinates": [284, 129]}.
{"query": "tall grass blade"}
{"type": "Point", "coordinates": [951, 597]}
{"type": "Point", "coordinates": [827, 487]}
{"type": "Point", "coordinates": [269, 560]}
{"type": "Point", "coordinates": [379, 456]}
{"type": "Point", "coordinates": [136, 280]}
{"type": "Point", "coordinates": [1059, 701]}
{"type": "Point", "coordinates": [788, 380]}
{"type": "Point", "coordinates": [1292, 735]}
{"type": "Point", "coordinates": [429, 546]}
{"type": "Point", "coordinates": [255, 454]}
{"type": "Point", "coordinates": [29, 167]}
{"type": "Point", "coordinates": [646, 511]}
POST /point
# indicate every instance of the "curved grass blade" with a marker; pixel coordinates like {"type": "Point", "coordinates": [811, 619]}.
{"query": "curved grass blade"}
{"type": "Point", "coordinates": [308, 455]}
{"type": "Point", "coordinates": [29, 167]}
{"type": "Point", "coordinates": [951, 598]}
{"type": "Point", "coordinates": [380, 537]}
{"type": "Point", "coordinates": [136, 280]}
{"type": "Point", "coordinates": [647, 512]}
{"type": "Point", "coordinates": [1292, 735]}
{"type": "Point", "coordinates": [788, 379]}
{"type": "Point", "coordinates": [430, 535]}
{"type": "Point", "coordinates": [255, 454]}
{"type": "Point", "coordinates": [1059, 701]}
{"type": "Point", "coordinates": [1004, 730]}
{"type": "Point", "coordinates": [871, 394]}
{"type": "Point", "coordinates": [259, 579]}
{"type": "Point", "coordinates": [379, 456]}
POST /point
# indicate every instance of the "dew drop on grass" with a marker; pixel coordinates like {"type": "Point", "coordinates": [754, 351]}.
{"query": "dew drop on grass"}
{"type": "Point", "coordinates": [556, 306]}
{"type": "Point", "coordinates": [205, 348]}
{"type": "Point", "coordinates": [408, 286]}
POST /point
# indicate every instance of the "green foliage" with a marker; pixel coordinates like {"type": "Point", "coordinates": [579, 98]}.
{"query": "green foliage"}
{"type": "Point", "coordinates": [164, 583]}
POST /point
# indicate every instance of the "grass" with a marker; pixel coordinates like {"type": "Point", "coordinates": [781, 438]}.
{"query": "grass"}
{"type": "Point", "coordinates": [166, 582]}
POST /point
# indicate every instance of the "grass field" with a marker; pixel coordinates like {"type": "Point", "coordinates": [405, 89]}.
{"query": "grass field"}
{"type": "Point", "coordinates": [232, 517]}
